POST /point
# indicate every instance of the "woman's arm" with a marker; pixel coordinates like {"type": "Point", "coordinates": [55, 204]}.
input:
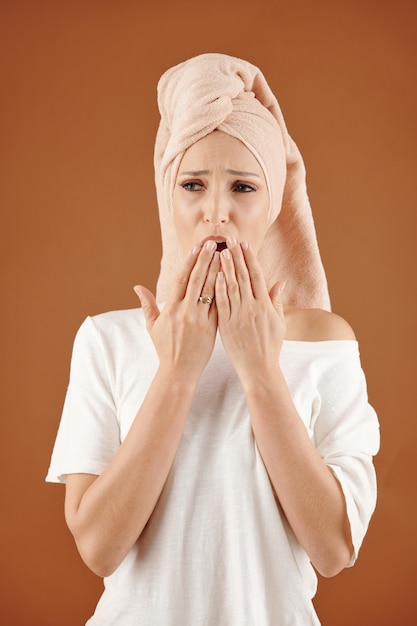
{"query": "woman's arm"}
{"type": "Point", "coordinates": [309, 494]}
{"type": "Point", "coordinates": [106, 514]}
{"type": "Point", "coordinates": [252, 326]}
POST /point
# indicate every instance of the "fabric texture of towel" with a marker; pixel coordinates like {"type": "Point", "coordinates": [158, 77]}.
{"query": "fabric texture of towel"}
{"type": "Point", "coordinates": [219, 92]}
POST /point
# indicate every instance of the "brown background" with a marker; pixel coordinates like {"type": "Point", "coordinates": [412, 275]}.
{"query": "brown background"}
{"type": "Point", "coordinates": [79, 229]}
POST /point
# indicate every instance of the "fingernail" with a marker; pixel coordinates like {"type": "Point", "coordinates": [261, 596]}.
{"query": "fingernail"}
{"type": "Point", "coordinates": [216, 256]}
{"type": "Point", "coordinates": [220, 276]}
{"type": "Point", "coordinates": [226, 254]}
{"type": "Point", "coordinates": [195, 250]}
{"type": "Point", "coordinates": [231, 242]}
{"type": "Point", "coordinates": [210, 245]}
{"type": "Point", "coordinates": [245, 245]}
{"type": "Point", "coordinates": [282, 287]}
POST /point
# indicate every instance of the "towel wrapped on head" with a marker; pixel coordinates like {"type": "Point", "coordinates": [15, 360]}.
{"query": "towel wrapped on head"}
{"type": "Point", "coordinates": [219, 92]}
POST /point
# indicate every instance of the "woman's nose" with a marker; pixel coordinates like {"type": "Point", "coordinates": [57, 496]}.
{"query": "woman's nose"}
{"type": "Point", "coordinates": [215, 211]}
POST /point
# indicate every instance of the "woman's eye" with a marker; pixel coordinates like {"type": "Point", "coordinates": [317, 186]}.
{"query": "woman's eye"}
{"type": "Point", "coordinates": [243, 188]}
{"type": "Point", "coordinates": [192, 186]}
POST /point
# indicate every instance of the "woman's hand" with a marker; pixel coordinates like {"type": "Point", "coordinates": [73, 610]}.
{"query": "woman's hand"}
{"type": "Point", "coordinates": [251, 320]}
{"type": "Point", "coordinates": [184, 331]}
{"type": "Point", "coordinates": [107, 513]}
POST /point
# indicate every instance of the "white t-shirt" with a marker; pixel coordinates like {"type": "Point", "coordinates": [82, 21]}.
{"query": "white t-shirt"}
{"type": "Point", "coordinates": [217, 550]}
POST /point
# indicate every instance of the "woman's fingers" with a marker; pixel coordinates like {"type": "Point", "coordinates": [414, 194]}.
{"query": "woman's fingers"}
{"type": "Point", "coordinates": [149, 306]}
{"type": "Point", "coordinates": [197, 276]}
{"type": "Point", "coordinates": [231, 281]}
{"type": "Point", "coordinates": [243, 275]}
{"type": "Point", "coordinates": [276, 298]}
{"type": "Point", "coordinates": [222, 299]}
{"type": "Point", "coordinates": [208, 288]}
{"type": "Point", "coordinates": [256, 277]}
{"type": "Point", "coordinates": [241, 270]}
{"type": "Point", "coordinates": [201, 273]}
{"type": "Point", "coordinates": [180, 284]}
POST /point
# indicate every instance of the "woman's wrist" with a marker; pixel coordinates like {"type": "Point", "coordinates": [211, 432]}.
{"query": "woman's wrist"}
{"type": "Point", "coordinates": [261, 382]}
{"type": "Point", "coordinates": [176, 380]}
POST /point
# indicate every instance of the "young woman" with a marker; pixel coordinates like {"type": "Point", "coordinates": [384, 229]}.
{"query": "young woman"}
{"type": "Point", "coordinates": [217, 443]}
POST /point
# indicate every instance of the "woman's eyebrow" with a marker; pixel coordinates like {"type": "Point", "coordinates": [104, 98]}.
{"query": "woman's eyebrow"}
{"type": "Point", "coordinates": [236, 173]}
{"type": "Point", "coordinates": [228, 171]}
{"type": "Point", "coordinates": [195, 173]}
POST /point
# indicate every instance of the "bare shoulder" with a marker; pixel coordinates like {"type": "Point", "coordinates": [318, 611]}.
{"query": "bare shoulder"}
{"type": "Point", "coordinates": [316, 325]}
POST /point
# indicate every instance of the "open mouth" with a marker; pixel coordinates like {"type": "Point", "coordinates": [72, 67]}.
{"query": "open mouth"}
{"type": "Point", "coordinates": [221, 245]}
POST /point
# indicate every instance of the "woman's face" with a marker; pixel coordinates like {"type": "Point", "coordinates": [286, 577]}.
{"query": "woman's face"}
{"type": "Point", "coordinates": [220, 192]}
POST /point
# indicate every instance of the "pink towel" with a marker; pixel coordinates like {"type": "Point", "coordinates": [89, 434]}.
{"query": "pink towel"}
{"type": "Point", "coordinates": [216, 91]}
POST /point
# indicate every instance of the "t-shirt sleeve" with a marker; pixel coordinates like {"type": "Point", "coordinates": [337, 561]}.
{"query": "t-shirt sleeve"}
{"type": "Point", "coordinates": [88, 434]}
{"type": "Point", "coordinates": [346, 435]}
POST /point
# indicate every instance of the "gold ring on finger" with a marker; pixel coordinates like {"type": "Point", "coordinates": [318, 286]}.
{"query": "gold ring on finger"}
{"type": "Point", "coordinates": [205, 300]}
